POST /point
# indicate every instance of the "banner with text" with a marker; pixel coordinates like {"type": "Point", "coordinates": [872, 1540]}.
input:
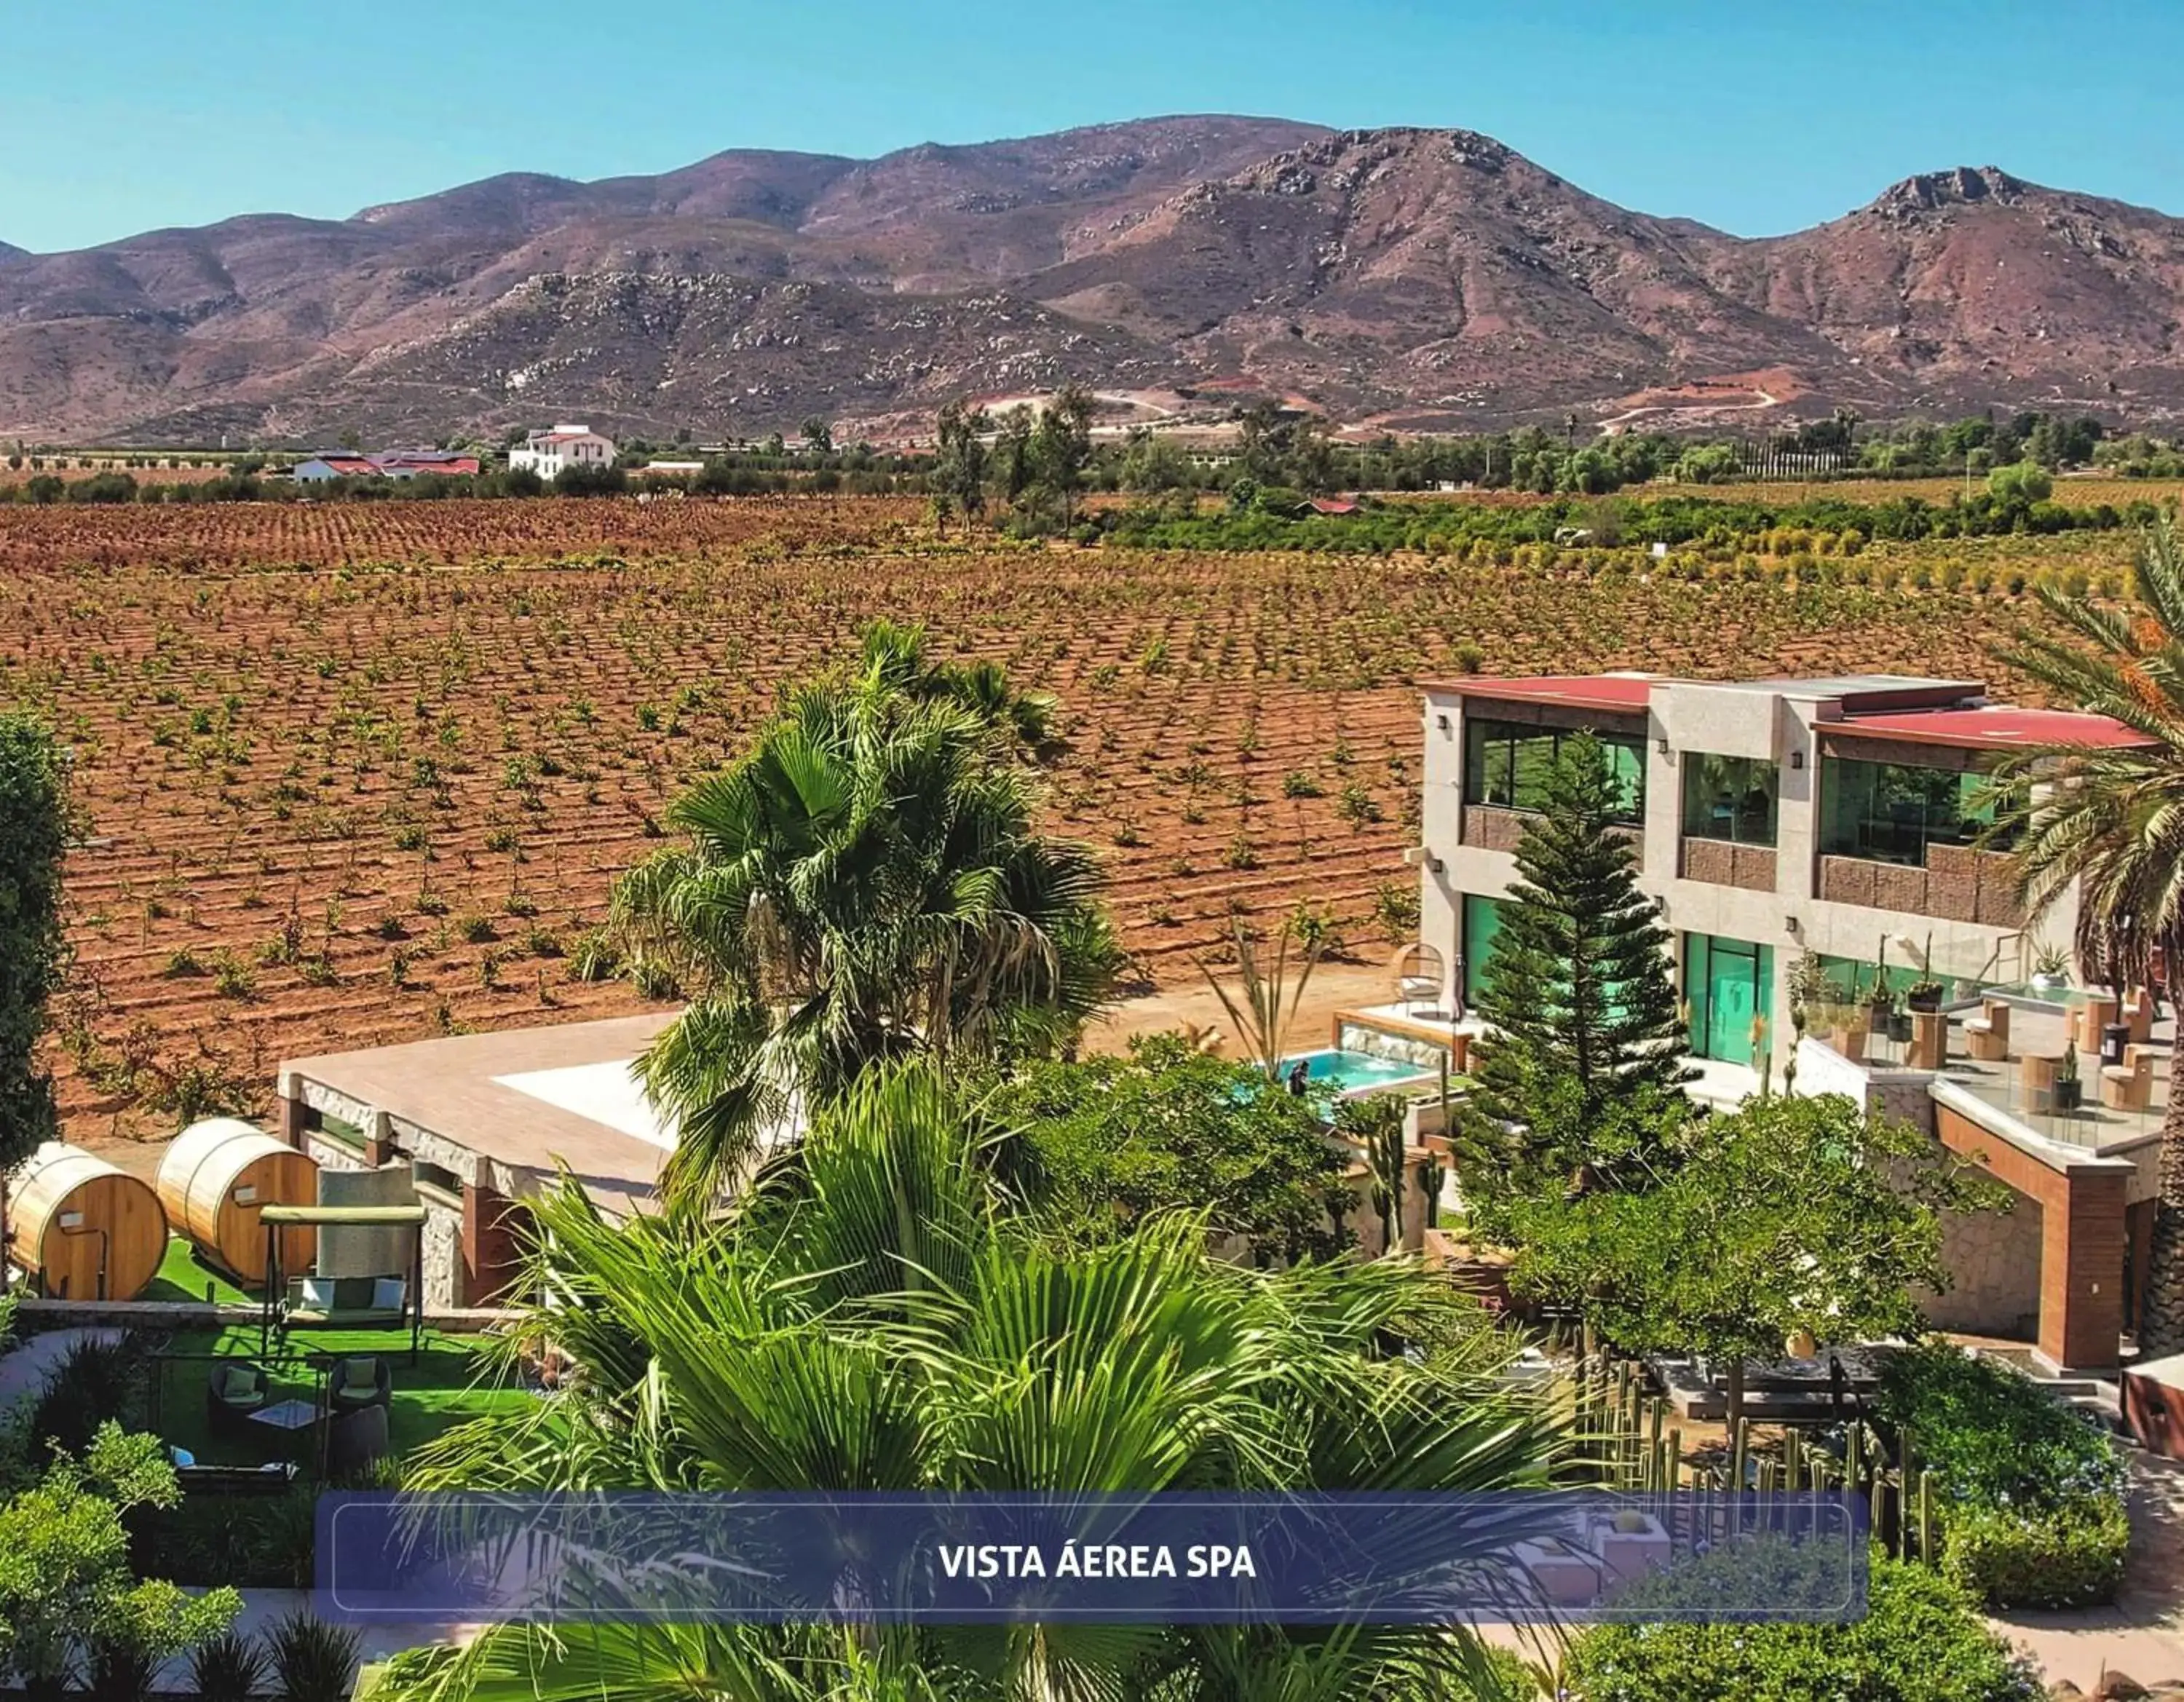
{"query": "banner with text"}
{"type": "Point", "coordinates": [973, 1559]}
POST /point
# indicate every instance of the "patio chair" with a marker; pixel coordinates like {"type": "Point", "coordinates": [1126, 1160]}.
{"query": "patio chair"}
{"type": "Point", "coordinates": [2129, 1086]}
{"type": "Point", "coordinates": [358, 1381]}
{"type": "Point", "coordinates": [355, 1440]}
{"type": "Point", "coordinates": [2138, 1012]}
{"type": "Point", "coordinates": [2088, 1019]}
{"type": "Point", "coordinates": [1420, 971]}
{"type": "Point", "coordinates": [1986, 1035]}
{"type": "Point", "coordinates": [234, 1389]}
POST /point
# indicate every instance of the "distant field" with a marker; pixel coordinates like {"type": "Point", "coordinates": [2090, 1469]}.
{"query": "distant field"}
{"type": "Point", "coordinates": [336, 809]}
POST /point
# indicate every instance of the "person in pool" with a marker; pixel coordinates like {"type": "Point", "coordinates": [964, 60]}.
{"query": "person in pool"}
{"type": "Point", "coordinates": [1299, 1077]}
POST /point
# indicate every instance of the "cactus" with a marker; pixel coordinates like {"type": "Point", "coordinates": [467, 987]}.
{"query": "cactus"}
{"type": "Point", "coordinates": [1384, 1152]}
{"type": "Point", "coordinates": [1432, 1173]}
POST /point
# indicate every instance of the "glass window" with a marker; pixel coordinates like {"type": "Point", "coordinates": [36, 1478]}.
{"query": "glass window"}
{"type": "Point", "coordinates": [1506, 764]}
{"type": "Point", "coordinates": [1888, 812]}
{"type": "Point", "coordinates": [1731, 797]}
{"type": "Point", "coordinates": [1482, 922]}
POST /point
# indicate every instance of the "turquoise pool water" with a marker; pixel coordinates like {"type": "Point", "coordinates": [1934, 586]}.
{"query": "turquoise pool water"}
{"type": "Point", "coordinates": [1347, 1072]}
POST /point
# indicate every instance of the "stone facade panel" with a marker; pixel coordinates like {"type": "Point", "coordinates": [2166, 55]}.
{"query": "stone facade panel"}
{"type": "Point", "coordinates": [1847, 880]}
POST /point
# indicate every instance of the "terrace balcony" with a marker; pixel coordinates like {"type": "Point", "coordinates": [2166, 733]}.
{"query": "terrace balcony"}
{"type": "Point", "coordinates": [2005, 1050]}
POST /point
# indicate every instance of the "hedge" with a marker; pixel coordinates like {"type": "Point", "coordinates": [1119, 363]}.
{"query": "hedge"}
{"type": "Point", "coordinates": [1922, 1640]}
{"type": "Point", "coordinates": [2031, 1493]}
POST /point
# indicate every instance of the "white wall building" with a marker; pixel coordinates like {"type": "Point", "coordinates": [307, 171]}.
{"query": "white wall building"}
{"type": "Point", "coordinates": [1773, 817]}
{"type": "Point", "coordinates": [551, 453]}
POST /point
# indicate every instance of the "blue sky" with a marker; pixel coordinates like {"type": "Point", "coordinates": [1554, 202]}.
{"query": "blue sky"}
{"type": "Point", "coordinates": [1759, 119]}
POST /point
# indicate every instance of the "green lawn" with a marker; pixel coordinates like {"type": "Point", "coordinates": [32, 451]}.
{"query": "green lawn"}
{"type": "Point", "coordinates": [441, 1390]}
{"type": "Point", "coordinates": [183, 1276]}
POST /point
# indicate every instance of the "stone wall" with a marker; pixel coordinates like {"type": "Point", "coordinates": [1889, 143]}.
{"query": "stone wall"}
{"type": "Point", "coordinates": [443, 1255]}
{"type": "Point", "coordinates": [1993, 1259]}
{"type": "Point", "coordinates": [1396, 1049]}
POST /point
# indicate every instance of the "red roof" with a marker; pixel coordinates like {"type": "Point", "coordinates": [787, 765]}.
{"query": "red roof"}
{"type": "Point", "coordinates": [1995, 727]}
{"type": "Point", "coordinates": [1615, 692]}
{"type": "Point", "coordinates": [1324, 505]}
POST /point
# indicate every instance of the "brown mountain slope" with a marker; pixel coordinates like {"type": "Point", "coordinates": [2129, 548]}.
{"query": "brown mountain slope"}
{"type": "Point", "coordinates": [1404, 275]}
{"type": "Point", "coordinates": [1970, 283]}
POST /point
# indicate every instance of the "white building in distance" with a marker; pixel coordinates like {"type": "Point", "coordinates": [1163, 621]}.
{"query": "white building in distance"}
{"type": "Point", "coordinates": [551, 453]}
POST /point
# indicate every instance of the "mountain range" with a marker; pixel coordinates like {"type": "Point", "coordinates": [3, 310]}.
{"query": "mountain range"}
{"type": "Point", "coordinates": [1396, 279]}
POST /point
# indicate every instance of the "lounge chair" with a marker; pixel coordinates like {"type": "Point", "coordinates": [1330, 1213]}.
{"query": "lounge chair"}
{"type": "Point", "coordinates": [358, 1381]}
{"type": "Point", "coordinates": [234, 1389]}
{"type": "Point", "coordinates": [269, 1479]}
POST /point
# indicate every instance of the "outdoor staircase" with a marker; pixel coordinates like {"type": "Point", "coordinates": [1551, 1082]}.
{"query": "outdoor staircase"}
{"type": "Point", "coordinates": [2100, 1399]}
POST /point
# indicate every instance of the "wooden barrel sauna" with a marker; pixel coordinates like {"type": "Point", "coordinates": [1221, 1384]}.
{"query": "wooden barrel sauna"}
{"type": "Point", "coordinates": [215, 1177]}
{"type": "Point", "coordinates": [84, 1229]}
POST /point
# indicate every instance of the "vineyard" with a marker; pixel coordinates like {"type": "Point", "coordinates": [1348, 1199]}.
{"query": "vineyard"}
{"type": "Point", "coordinates": [228, 537]}
{"type": "Point", "coordinates": [386, 798]}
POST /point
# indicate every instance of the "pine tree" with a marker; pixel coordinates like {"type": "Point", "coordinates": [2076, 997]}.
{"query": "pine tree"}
{"type": "Point", "coordinates": [33, 837]}
{"type": "Point", "coordinates": [1577, 996]}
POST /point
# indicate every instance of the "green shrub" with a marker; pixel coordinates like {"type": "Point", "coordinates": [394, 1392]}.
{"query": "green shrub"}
{"type": "Point", "coordinates": [2031, 1509]}
{"type": "Point", "coordinates": [228, 1668]}
{"type": "Point", "coordinates": [313, 1661]}
{"type": "Point", "coordinates": [1922, 1640]}
{"type": "Point", "coordinates": [2070, 1557]}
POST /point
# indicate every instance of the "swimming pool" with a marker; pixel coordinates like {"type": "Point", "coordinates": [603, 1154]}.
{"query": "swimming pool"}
{"type": "Point", "coordinates": [1348, 1072]}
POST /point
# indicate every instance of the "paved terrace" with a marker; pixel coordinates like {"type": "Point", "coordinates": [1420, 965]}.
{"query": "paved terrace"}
{"type": "Point", "coordinates": [2011, 1086]}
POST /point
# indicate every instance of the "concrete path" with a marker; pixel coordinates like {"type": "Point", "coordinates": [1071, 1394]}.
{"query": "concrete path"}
{"type": "Point", "coordinates": [26, 1368]}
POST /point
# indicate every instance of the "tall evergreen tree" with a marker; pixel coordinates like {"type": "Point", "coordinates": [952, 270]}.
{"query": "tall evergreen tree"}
{"type": "Point", "coordinates": [1579, 997]}
{"type": "Point", "coordinates": [33, 835]}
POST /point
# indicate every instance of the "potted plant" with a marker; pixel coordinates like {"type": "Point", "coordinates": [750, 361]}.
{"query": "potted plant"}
{"type": "Point", "coordinates": [1878, 1004]}
{"type": "Point", "coordinates": [2070, 1092]}
{"type": "Point", "coordinates": [2051, 967]}
{"type": "Point", "coordinates": [1925, 994]}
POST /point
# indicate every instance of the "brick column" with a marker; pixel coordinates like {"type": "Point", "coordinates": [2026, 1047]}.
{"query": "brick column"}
{"type": "Point", "coordinates": [2083, 1230]}
{"type": "Point", "coordinates": [2081, 1259]}
{"type": "Point", "coordinates": [496, 1231]}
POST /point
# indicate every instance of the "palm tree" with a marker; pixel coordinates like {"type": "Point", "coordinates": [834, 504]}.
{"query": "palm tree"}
{"type": "Point", "coordinates": [865, 884]}
{"type": "Point", "coordinates": [2111, 819]}
{"type": "Point", "coordinates": [874, 1316]}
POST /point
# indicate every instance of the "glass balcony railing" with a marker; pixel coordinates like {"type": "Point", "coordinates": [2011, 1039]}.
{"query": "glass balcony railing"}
{"type": "Point", "coordinates": [2019, 1072]}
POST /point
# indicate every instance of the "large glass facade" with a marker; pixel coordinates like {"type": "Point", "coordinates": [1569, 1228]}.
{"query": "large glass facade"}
{"type": "Point", "coordinates": [1506, 764]}
{"type": "Point", "coordinates": [1731, 797]}
{"type": "Point", "coordinates": [1890, 812]}
{"type": "Point", "coordinates": [1729, 987]}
